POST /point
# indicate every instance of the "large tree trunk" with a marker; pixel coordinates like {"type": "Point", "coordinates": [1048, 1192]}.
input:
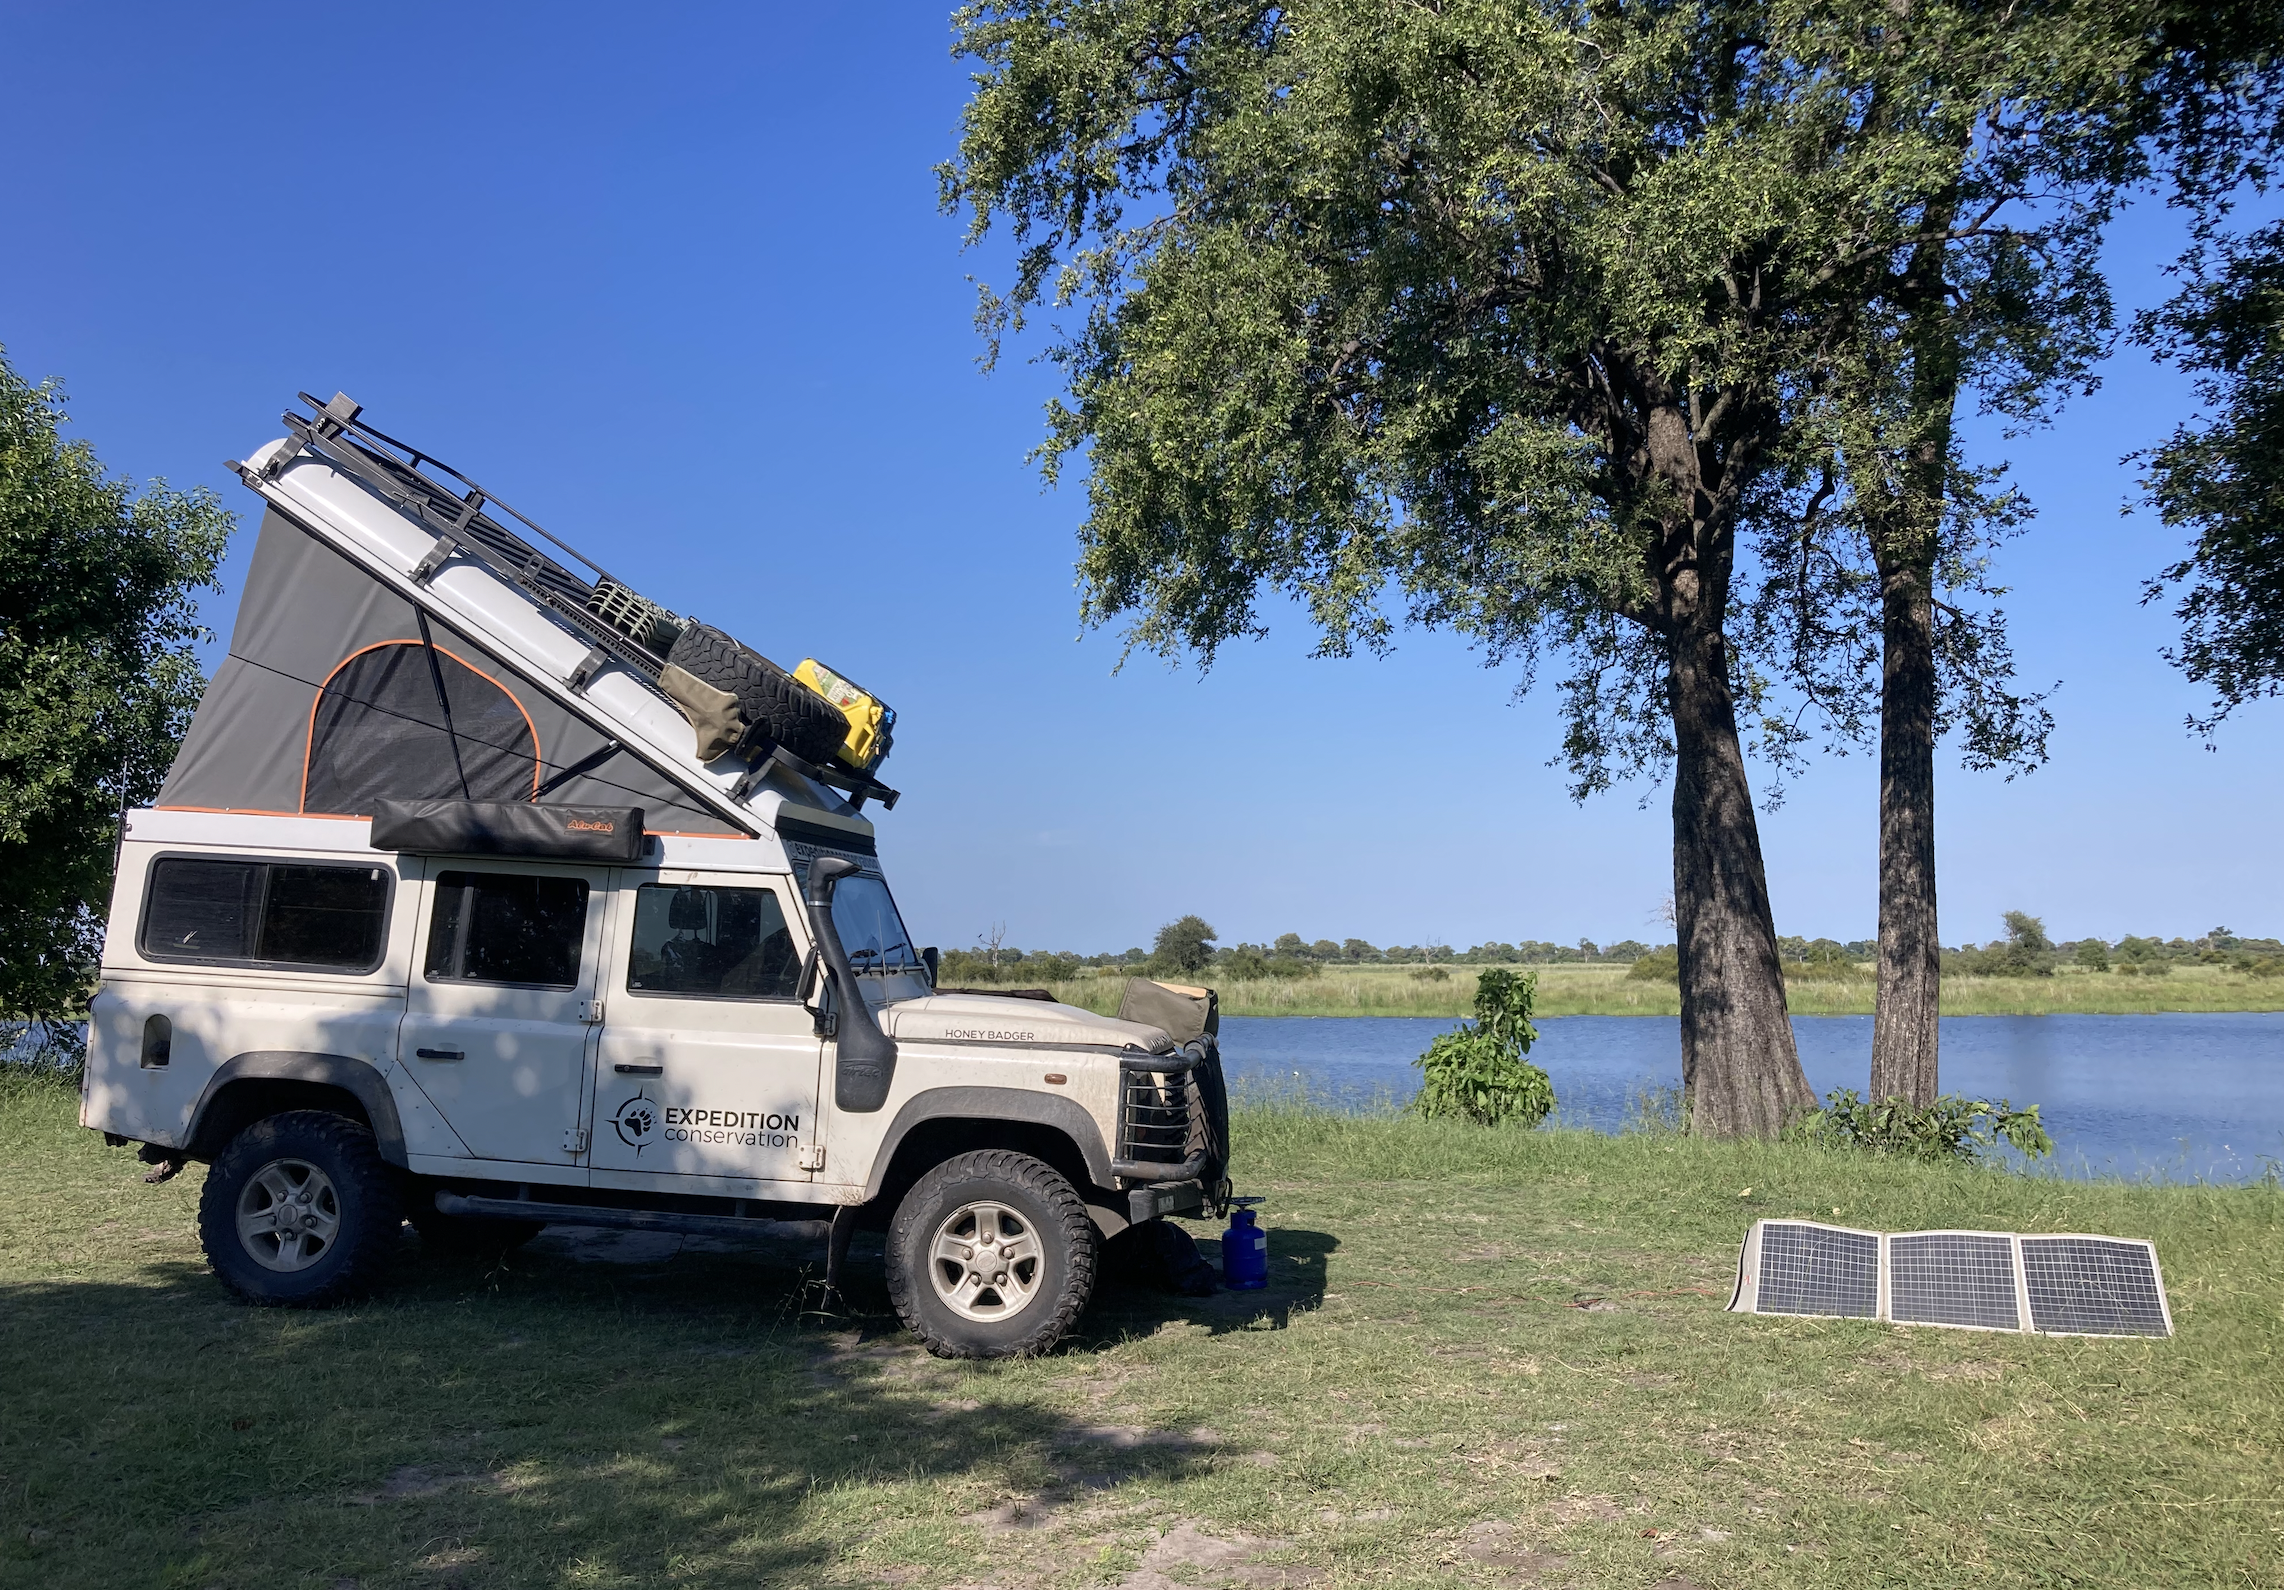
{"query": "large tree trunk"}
{"type": "Point", "coordinates": [1905, 1030]}
{"type": "Point", "coordinates": [1905, 527]}
{"type": "Point", "coordinates": [1739, 1069]}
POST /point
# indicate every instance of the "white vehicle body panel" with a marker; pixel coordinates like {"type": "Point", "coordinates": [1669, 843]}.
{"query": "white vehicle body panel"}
{"type": "Point", "coordinates": [532, 1069]}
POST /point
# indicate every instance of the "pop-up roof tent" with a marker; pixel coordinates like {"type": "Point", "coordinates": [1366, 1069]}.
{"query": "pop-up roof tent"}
{"type": "Point", "coordinates": [398, 641]}
{"type": "Point", "coordinates": [338, 693]}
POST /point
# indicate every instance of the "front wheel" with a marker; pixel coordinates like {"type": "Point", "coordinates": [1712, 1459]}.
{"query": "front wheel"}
{"type": "Point", "coordinates": [991, 1255]}
{"type": "Point", "coordinates": [300, 1210]}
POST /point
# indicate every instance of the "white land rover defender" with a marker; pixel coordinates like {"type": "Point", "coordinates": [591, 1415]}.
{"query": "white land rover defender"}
{"type": "Point", "coordinates": [492, 896]}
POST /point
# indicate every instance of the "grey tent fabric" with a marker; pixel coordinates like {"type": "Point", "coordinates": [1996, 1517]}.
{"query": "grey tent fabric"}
{"type": "Point", "coordinates": [325, 704]}
{"type": "Point", "coordinates": [380, 732]}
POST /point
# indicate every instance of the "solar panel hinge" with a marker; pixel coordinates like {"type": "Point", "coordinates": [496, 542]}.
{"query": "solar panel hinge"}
{"type": "Point", "coordinates": [425, 570]}
{"type": "Point", "coordinates": [583, 675]}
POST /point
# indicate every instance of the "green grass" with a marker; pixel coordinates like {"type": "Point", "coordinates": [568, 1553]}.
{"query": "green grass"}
{"type": "Point", "coordinates": [1488, 1358]}
{"type": "Point", "coordinates": [1608, 991]}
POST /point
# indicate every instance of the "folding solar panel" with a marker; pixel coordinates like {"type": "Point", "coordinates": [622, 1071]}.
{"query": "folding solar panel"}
{"type": "Point", "coordinates": [1963, 1278]}
{"type": "Point", "coordinates": [1800, 1267]}
{"type": "Point", "coordinates": [2094, 1286]}
{"type": "Point", "coordinates": [1969, 1280]}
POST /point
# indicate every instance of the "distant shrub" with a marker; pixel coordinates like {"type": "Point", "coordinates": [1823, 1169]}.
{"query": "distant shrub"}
{"type": "Point", "coordinates": [2268, 966]}
{"type": "Point", "coordinates": [1478, 1073]}
{"type": "Point", "coordinates": [1246, 964]}
{"type": "Point", "coordinates": [2093, 955]}
{"type": "Point", "coordinates": [1430, 974]}
{"type": "Point", "coordinates": [1951, 1128]}
{"type": "Point", "coordinates": [1824, 962]}
{"type": "Point", "coordinates": [1658, 966]}
{"type": "Point", "coordinates": [2026, 951]}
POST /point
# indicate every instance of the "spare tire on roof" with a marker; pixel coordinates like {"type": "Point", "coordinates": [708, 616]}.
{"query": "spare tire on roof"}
{"type": "Point", "coordinates": [768, 698]}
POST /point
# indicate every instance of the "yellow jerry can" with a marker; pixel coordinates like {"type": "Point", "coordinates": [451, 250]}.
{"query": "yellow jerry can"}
{"type": "Point", "coordinates": [870, 719]}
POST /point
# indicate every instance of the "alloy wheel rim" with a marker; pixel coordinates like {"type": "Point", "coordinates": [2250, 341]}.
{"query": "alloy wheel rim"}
{"type": "Point", "coordinates": [985, 1261]}
{"type": "Point", "coordinates": [289, 1215]}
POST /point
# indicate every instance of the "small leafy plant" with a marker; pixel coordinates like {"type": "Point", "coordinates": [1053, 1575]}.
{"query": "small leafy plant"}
{"type": "Point", "coordinates": [1478, 1073]}
{"type": "Point", "coordinates": [1951, 1128]}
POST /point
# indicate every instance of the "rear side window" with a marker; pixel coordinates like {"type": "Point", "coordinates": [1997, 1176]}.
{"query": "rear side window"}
{"type": "Point", "coordinates": [266, 913]}
{"type": "Point", "coordinates": [507, 927]}
{"type": "Point", "coordinates": [713, 943]}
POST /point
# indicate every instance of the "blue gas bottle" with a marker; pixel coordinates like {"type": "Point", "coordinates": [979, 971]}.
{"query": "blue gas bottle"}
{"type": "Point", "coordinates": [1244, 1249]}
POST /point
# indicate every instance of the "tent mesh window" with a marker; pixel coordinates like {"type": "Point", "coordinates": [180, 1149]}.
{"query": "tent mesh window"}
{"type": "Point", "coordinates": [378, 732]}
{"type": "Point", "coordinates": [1952, 1278]}
{"type": "Point", "coordinates": [1809, 1269]}
{"type": "Point", "coordinates": [2093, 1286]}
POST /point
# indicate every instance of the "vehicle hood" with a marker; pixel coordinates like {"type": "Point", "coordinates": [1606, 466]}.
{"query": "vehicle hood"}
{"type": "Point", "coordinates": [983, 1018]}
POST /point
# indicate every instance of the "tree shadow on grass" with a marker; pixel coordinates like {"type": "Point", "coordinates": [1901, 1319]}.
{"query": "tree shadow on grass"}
{"type": "Point", "coordinates": [583, 1412]}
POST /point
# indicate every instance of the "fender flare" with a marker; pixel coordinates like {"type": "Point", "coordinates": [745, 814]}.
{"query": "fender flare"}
{"type": "Point", "coordinates": [993, 1104]}
{"type": "Point", "coordinates": [361, 1079]}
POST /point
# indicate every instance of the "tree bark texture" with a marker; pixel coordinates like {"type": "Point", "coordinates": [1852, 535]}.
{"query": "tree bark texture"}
{"type": "Point", "coordinates": [1739, 1068]}
{"type": "Point", "coordinates": [1740, 1072]}
{"type": "Point", "coordinates": [1905, 1030]}
{"type": "Point", "coordinates": [1905, 527]}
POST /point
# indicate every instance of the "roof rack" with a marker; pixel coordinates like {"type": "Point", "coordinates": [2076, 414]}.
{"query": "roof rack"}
{"type": "Point", "coordinates": [395, 471]}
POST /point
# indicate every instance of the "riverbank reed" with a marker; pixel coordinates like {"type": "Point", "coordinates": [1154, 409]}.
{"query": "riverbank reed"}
{"type": "Point", "coordinates": [1608, 991]}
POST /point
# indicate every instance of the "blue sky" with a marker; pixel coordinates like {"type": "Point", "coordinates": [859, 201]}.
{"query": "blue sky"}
{"type": "Point", "coordinates": [673, 281]}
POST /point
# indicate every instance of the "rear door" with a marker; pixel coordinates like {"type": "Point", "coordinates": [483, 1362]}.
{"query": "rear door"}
{"type": "Point", "coordinates": [707, 1070]}
{"type": "Point", "coordinates": [499, 1023]}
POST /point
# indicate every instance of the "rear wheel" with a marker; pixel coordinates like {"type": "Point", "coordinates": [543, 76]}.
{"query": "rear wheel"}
{"type": "Point", "coordinates": [991, 1255]}
{"type": "Point", "coordinates": [300, 1210]}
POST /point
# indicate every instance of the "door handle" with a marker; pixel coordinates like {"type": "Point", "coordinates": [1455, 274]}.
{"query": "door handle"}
{"type": "Point", "coordinates": [644, 1069]}
{"type": "Point", "coordinates": [441, 1054]}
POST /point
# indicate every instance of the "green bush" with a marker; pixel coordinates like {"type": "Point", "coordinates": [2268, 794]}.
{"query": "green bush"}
{"type": "Point", "coordinates": [1478, 1073]}
{"type": "Point", "coordinates": [1951, 1128]}
{"type": "Point", "coordinates": [2268, 966]}
{"type": "Point", "coordinates": [2093, 955]}
{"type": "Point", "coordinates": [1824, 962]}
{"type": "Point", "coordinates": [1659, 966]}
{"type": "Point", "coordinates": [1430, 974]}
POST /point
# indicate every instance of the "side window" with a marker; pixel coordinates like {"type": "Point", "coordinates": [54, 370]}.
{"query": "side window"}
{"type": "Point", "coordinates": [265, 912]}
{"type": "Point", "coordinates": [506, 927]}
{"type": "Point", "coordinates": [715, 943]}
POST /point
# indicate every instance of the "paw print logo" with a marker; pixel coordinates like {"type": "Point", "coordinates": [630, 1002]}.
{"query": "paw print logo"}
{"type": "Point", "coordinates": [636, 1122]}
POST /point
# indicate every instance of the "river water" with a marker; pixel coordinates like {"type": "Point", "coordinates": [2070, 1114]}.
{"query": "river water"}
{"type": "Point", "coordinates": [2175, 1097]}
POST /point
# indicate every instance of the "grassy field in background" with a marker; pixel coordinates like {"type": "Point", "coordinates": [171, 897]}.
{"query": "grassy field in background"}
{"type": "Point", "coordinates": [1608, 991]}
{"type": "Point", "coordinates": [1486, 1359]}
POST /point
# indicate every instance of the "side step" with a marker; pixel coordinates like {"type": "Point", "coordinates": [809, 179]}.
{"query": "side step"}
{"type": "Point", "coordinates": [452, 1203]}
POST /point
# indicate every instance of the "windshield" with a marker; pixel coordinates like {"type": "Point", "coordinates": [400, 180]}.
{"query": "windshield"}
{"type": "Point", "coordinates": [870, 929]}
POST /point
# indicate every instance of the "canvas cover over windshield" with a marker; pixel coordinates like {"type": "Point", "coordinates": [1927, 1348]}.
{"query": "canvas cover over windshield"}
{"type": "Point", "coordinates": [331, 700]}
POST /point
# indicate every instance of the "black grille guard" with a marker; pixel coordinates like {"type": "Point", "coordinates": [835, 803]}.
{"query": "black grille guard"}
{"type": "Point", "coordinates": [1161, 1112]}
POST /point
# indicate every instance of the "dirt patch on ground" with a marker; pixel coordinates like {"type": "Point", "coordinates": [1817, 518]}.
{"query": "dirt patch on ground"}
{"type": "Point", "coordinates": [1495, 1543]}
{"type": "Point", "coordinates": [1586, 1510]}
{"type": "Point", "coordinates": [417, 1483]}
{"type": "Point", "coordinates": [1186, 1558]}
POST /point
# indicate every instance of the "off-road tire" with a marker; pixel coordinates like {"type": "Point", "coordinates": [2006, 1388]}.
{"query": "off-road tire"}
{"type": "Point", "coordinates": [367, 1201]}
{"type": "Point", "coordinates": [770, 699]}
{"type": "Point", "coordinates": [475, 1236]}
{"type": "Point", "coordinates": [1045, 1202]}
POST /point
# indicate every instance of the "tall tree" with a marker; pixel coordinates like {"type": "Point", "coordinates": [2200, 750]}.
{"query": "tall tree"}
{"type": "Point", "coordinates": [2220, 476]}
{"type": "Point", "coordinates": [97, 682]}
{"type": "Point", "coordinates": [1511, 318]}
